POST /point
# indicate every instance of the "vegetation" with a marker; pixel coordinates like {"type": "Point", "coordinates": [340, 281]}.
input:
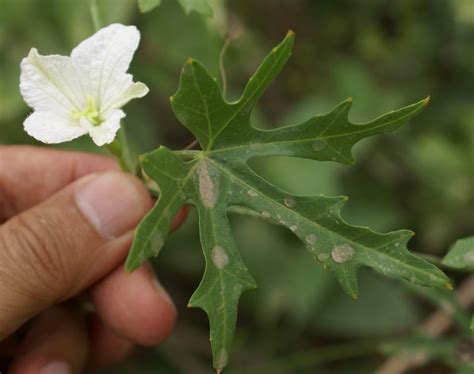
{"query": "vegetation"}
{"type": "Point", "coordinates": [382, 54]}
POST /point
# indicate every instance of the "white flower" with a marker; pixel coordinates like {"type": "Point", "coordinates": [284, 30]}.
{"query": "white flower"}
{"type": "Point", "coordinates": [73, 96]}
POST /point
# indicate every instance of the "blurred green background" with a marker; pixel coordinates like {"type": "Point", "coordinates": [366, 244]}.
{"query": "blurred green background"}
{"type": "Point", "coordinates": [383, 53]}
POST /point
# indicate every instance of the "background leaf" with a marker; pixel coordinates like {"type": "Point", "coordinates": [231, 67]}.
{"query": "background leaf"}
{"type": "Point", "coordinates": [147, 5]}
{"type": "Point", "coordinates": [461, 255]}
{"type": "Point", "coordinates": [199, 6]}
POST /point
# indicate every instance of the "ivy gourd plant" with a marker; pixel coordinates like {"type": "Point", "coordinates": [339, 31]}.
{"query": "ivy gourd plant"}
{"type": "Point", "coordinates": [218, 177]}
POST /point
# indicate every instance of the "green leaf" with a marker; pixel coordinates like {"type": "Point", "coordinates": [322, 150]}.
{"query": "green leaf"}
{"type": "Point", "coordinates": [200, 6]}
{"type": "Point", "coordinates": [219, 177]}
{"type": "Point", "coordinates": [461, 255]}
{"type": "Point", "coordinates": [147, 5]}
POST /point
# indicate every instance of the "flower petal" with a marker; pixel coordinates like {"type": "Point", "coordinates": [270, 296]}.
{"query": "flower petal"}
{"type": "Point", "coordinates": [52, 129]}
{"type": "Point", "coordinates": [105, 132]}
{"type": "Point", "coordinates": [49, 83]}
{"type": "Point", "coordinates": [105, 58]}
{"type": "Point", "coordinates": [121, 92]}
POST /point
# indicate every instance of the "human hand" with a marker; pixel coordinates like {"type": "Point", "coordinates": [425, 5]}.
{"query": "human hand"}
{"type": "Point", "coordinates": [67, 222]}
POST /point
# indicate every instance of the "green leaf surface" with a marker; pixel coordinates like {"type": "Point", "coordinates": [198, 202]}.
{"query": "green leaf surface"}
{"type": "Point", "coordinates": [218, 177]}
{"type": "Point", "coordinates": [461, 255]}
{"type": "Point", "coordinates": [147, 5]}
{"type": "Point", "coordinates": [199, 6]}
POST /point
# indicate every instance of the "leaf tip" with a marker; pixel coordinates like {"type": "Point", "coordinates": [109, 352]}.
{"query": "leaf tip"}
{"type": "Point", "coordinates": [426, 100]}
{"type": "Point", "coordinates": [410, 233]}
{"type": "Point", "coordinates": [449, 286]}
{"type": "Point", "coordinates": [354, 295]}
{"type": "Point", "coordinates": [189, 61]}
{"type": "Point", "coordinates": [349, 99]}
{"type": "Point", "coordinates": [171, 98]}
{"type": "Point", "coordinates": [290, 34]}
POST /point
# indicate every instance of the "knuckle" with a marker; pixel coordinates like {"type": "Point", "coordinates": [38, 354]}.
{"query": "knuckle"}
{"type": "Point", "coordinates": [33, 246]}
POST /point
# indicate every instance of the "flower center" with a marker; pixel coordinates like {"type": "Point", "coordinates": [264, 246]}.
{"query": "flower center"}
{"type": "Point", "coordinates": [91, 113]}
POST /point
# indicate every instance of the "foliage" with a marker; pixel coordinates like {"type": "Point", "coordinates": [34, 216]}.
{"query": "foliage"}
{"type": "Point", "coordinates": [420, 179]}
{"type": "Point", "coordinates": [219, 177]}
{"type": "Point", "coordinates": [461, 255]}
{"type": "Point", "coordinates": [200, 6]}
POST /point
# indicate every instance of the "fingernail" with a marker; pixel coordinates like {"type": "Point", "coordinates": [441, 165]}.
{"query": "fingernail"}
{"type": "Point", "coordinates": [112, 202]}
{"type": "Point", "coordinates": [56, 367]}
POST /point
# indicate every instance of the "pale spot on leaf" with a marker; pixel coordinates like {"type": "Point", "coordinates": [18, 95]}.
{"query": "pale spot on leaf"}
{"type": "Point", "coordinates": [266, 214]}
{"type": "Point", "coordinates": [322, 256]}
{"type": "Point", "coordinates": [342, 253]}
{"type": "Point", "coordinates": [318, 145]}
{"type": "Point", "coordinates": [311, 239]}
{"type": "Point", "coordinates": [207, 186]}
{"type": "Point", "coordinates": [289, 202]}
{"type": "Point", "coordinates": [252, 193]}
{"type": "Point", "coordinates": [219, 257]}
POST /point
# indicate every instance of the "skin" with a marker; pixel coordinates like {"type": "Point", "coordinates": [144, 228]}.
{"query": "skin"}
{"type": "Point", "coordinates": [53, 254]}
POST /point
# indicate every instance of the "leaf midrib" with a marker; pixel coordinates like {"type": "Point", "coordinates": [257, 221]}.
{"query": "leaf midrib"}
{"type": "Point", "coordinates": [307, 140]}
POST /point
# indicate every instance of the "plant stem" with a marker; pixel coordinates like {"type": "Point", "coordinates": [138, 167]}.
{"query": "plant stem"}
{"type": "Point", "coordinates": [188, 153]}
{"type": "Point", "coordinates": [435, 260]}
{"type": "Point", "coordinates": [222, 67]}
{"type": "Point", "coordinates": [119, 148]}
{"type": "Point", "coordinates": [192, 145]}
{"type": "Point", "coordinates": [94, 9]}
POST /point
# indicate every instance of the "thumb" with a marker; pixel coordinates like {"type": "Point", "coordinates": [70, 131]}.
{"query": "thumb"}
{"type": "Point", "coordinates": [61, 246]}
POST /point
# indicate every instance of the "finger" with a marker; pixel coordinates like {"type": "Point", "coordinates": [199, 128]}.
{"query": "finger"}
{"type": "Point", "coordinates": [8, 346]}
{"type": "Point", "coordinates": [135, 305]}
{"type": "Point", "coordinates": [29, 175]}
{"type": "Point", "coordinates": [56, 343]}
{"type": "Point", "coordinates": [61, 246]}
{"type": "Point", "coordinates": [107, 347]}
{"type": "Point", "coordinates": [180, 218]}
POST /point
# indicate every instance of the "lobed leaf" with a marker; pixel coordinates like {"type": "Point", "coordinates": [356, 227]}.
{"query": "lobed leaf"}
{"type": "Point", "coordinates": [218, 177]}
